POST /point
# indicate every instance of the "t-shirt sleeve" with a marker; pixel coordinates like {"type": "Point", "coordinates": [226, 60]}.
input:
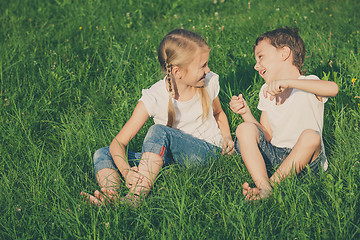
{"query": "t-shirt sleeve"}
{"type": "Point", "coordinates": [314, 77]}
{"type": "Point", "coordinates": [149, 100]}
{"type": "Point", "coordinates": [212, 84]}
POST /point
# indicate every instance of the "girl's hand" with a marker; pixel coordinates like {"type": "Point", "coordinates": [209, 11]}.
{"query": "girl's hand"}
{"type": "Point", "coordinates": [238, 104]}
{"type": "Point", "coordinates": [275, 87]}
{"type": "Point", "coordinates": [133, 177]}
{"type": "Point", "coordinates": [228, 146]}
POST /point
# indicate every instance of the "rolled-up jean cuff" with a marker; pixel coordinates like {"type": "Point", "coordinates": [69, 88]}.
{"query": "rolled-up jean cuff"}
{"type": "Point", "coordinates": [156, 149]}
{"type": "Point", "coordinates": [103, 159]}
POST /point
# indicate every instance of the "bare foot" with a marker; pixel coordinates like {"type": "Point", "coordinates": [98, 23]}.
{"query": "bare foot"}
{"type": "Point", "coordinates": [106, 197]}
{"type": "Point", "coordinates": [91, 199]}
{"type": "Point", "coordinates": [255, 193]}
{"type": "Point", "coordinates": [132, 200]}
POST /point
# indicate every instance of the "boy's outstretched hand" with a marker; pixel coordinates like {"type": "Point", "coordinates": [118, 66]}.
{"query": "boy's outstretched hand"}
{"type": "Point", "coordinates": [275, 87]}
{"type": "Point", "coordinates": [238, 104]}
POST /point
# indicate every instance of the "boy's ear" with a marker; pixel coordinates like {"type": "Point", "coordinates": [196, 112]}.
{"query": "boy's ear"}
{"type": "Point", "coordinates": [285, 53]}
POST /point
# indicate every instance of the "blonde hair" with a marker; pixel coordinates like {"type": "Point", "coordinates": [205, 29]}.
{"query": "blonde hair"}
{"type": "Point", "coordinates": [177, 49]}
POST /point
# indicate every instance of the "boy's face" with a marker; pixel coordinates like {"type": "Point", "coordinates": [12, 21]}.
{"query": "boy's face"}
{"type": "Point", "coordinates": [268, 61]}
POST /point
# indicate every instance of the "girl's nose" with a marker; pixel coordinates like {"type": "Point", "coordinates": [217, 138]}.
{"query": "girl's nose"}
{"type": "Point", "coordinates": [207, 69]}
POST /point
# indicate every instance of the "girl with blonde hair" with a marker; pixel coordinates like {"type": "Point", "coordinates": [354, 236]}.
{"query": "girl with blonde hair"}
{"type": "Point", "coordinates": [190, 125]}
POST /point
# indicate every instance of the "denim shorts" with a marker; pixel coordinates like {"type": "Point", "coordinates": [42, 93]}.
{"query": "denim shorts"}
{"type": "Point", "coordinates": [172, 145]}
{"type": "Point", "coordinates": [274, 156]}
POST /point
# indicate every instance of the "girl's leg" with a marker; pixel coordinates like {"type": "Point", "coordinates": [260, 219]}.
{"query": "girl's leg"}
{"type": "Point", "coordinates": [161, 141]}
{"type": "Point", "coordinates": [248, 137]}
{"type": "Point", "coordinates": [107, 175]}
{"type": "Point", "coordinates": [149, 167]}
{"type": "Point", "coordinates": [105, 170]}
{"type": "Point", "coordinates": [306, 149]}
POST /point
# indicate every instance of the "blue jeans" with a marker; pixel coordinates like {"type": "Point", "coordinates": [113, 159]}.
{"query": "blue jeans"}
{"type": "Point", "coordinates": [172, 145]}
{"type": "Point", "coordinates": [274, 156]}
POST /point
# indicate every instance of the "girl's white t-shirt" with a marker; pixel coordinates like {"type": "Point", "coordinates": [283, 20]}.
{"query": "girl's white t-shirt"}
{"type": "Point", "coordinates": [301, 111]}
{"type": "Point", "coordinates": [188, 114]}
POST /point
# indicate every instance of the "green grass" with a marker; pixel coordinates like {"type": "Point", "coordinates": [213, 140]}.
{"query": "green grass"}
{"type": "Point", "coordinates": [71, 73]}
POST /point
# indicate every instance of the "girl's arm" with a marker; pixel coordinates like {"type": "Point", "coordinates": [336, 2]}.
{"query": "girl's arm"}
{"type": "Point", "coordinates": [128, 132]}
{"type": "Point", "coordinates": [223, 124]}
{"type": "Point", "coordinates": [321, 88]}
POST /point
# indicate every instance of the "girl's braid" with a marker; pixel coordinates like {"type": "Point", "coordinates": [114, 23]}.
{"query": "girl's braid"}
{"type": "Point", "coordinates": [171, 109]}
{"type": "Point", "coordinates": [168, 78]}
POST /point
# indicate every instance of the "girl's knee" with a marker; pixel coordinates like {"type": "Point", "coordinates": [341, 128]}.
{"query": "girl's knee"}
{"type": "Point", "coordinates": [156, 129]}
{"type": "Point", "coordinates": [101, 153]}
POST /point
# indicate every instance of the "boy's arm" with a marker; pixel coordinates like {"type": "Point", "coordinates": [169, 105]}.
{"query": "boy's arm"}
{"type": "Point", "coordinates": [321, 88]}
{"type": "Point", "coordinates": [265, 126]}
{"type": "Point", "coordinates": [238, 105]}
{"type": "Point", "coordinates": [222, 121]}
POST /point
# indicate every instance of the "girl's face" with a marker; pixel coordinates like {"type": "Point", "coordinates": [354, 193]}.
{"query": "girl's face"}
{"type": "Point", "coordinates": [194, 74]}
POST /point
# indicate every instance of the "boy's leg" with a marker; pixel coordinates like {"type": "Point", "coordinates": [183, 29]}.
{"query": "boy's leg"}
{"type": "Point", "coordinates": [248, 137]}
{"type": "Point", "coordinates": [306, 149]}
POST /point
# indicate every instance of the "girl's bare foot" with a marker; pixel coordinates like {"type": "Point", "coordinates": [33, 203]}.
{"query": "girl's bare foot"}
{"type": "Point", "coordinates": [91, 199]}
{"type": "Point", "coordinates": [132, 200]}
{"type": "Point", "coordinates": [107, 196]}
{"type": "Point", "coordinates": [252, 194]}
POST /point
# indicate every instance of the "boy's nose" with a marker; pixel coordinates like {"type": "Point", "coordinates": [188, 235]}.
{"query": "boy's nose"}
{"type": "Point", "coordinates": [256, 66]}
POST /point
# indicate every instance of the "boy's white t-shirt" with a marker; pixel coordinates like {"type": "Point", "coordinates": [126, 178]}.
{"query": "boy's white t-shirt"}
{"type": "Point", "coordinates": [301, 111]}
{"type": "Point", "coordinates": [188, 114]}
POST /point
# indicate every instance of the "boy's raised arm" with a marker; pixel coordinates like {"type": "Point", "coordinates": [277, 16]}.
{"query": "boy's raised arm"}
{"type": "Point", "coordinates": [320, 88]}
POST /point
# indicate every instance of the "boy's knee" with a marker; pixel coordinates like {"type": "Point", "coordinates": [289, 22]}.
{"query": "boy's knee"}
{"type": "Point", "coordinates": [310, 137]}
{"type": "Point", "coordinates": [246, 130]}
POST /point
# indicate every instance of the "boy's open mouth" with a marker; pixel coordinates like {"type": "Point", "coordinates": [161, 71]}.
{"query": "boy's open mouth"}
{"type": "Point", "coordinates": [262, 72]}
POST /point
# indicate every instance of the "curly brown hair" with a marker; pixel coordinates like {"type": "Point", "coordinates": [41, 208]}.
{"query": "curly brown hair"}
{"type": "Point", "coordinates": [289, 37]}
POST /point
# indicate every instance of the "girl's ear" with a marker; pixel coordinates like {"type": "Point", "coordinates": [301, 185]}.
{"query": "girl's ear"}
{"type": "Point", "coordinates": [177, 72]}
{"type": "Point", "coordinates": [285, 53]}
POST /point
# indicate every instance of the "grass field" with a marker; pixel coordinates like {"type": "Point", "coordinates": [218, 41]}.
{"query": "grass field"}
{"type": "Point", "coordinates": [71, 73]}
